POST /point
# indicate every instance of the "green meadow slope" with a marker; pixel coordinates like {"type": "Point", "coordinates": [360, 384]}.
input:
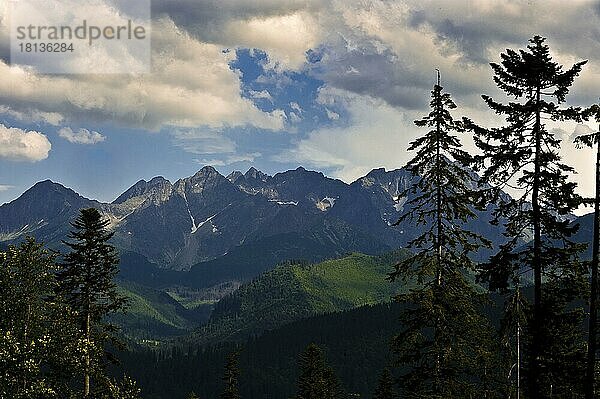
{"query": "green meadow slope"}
{"type": "Point", "coordinates": [153, 314]}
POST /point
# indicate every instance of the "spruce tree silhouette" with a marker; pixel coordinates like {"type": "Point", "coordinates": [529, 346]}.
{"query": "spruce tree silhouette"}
{"type": "Point", "coordinates": [443, 345]}
{"type": "Point", "coordinates": [523, 155]}
{"type": "Point", "coordinates": [87, 283]}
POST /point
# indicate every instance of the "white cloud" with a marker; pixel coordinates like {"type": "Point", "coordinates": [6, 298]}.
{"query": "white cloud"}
{"type": "Point", "coordinates": [81, 136]}
{"type": "Point", "coordinates": [5, 187]}
{"type": "Point", "coordinates": [582, 159]}
{"type": "Point", "coordinates": [386, 50]}
{"type": "Point", "coordinates": [294, 118]}
{"type": "Point", "coordinates": [262, 94]}
{"type": "Point", "coordinates": [377, 59]}
{"type": "Point", "coordinates": [377, 135]}
{"type": "Point", "coordinates": [285, 38]}
{"type": "Point", "coordinates": [215, 148]}
{"type": "Point", "coordinates": [33, 116]}
{"type": "Point", "coordinates": [192, 84]}
{"type": "Point", "coordinates": [334, 116]}
{"type": "Point", "coordinates": [20, 145]}
{"type": "Point", "coordinates": [296, 107]}
{"type": "Point", "coordinates": [104, 56]}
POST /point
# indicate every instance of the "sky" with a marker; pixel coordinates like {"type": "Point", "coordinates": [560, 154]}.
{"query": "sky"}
{"type": "Point", "coordinates": [332, 85]}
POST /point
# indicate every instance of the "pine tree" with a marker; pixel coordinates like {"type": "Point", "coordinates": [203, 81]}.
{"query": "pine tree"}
{"type": "Point", "coordinates": [87, 282]}
{"type": "Point", "coordinates": [385, 387]}
{"type": "Point", "coordinates": [591, 140]}
{"type": "Point", "coordinates": [442, 349]}
{"type": "Point", "coordinates": [523, 155]}
{"type": "Point", "coordinates": [231, 377]}
{"type": "Point", "coordinates": [317, 380]}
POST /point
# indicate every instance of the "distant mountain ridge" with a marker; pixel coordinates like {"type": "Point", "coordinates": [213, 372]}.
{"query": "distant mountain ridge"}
{"type": "Point", "coordinates": [206, 217]}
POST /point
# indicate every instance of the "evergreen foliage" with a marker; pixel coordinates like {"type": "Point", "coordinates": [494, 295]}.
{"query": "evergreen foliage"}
{"type": "Point", "coordinates": [231, 377]}
{"type": "Point", "coordinates": [38, 340]}
{"type": "Point", "coordinates": [443, 350]}
{"type": "Point", "coordinates": [126, 388]}
{"type": "Point", "coordinates": [317, 380]}
{"type": "Point", "coordinates": [385, 388]}
{"type": "Point", "coordinates": [524, 155]}
{"type": "Point", "coordinates": [87, 283]}
{"type": "Point", "coordinates": [357, 341]}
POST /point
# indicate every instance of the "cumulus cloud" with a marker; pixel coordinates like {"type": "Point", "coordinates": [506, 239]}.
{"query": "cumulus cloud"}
{"type": "Point", "coordinates": [20, 145]}
{"type": "Point", "coordinates": [81, 136]}
{"type": "Point", "coordinates": [191, 85]}
{"type": "Point", "coordinates": [377, 135]}
{"type": "Point", "coordinates": [286, 29]}
{"type": "Point", "coordinates": [262, 94]}
{"type": "Point", "coordinates": [32, 116]}
{"type": "Point", "coordinates": [285, 38]}
{"type": "Point", "coordinates": [104, 56]}
{"type": "Point", "coordinates": [386, 50]}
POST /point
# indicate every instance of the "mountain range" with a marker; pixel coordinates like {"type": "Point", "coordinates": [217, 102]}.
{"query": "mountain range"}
{"type": "Point", "coordinates": [225, 228]}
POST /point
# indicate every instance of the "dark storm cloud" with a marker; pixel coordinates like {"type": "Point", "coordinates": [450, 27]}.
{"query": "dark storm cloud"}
{"type": "Point", "coordinates": [370, 70]}
{"type": "Point", "coordinates": [207, 19]}
{"type": "Point", "coordinates": [471, 39]}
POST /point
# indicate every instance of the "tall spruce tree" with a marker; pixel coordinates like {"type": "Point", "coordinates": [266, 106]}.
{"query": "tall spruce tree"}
{"type": "Point", "coordinates": [231, 377]}
{"type": "Point", "coordinates": [443, 349]}
{"type": "Point", "coordinates": [591, 140]}
{"type": "Point", "coordinates": [87, 282]}
{"type": "Point", "coordinates": [523, 155]}
{"type": "Point", "coordinates": [386, 386]}
{"type": "Point", "coordinates": [317, 380]}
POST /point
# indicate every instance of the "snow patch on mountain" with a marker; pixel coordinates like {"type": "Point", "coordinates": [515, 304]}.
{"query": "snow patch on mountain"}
{"type": "Point", "coordinates": [187, 205]}
{"type": "Point", "coordinates": [295, 203]}
{"type": "Point", "coordinates": [208, 220]}
{"type": "Point", "coordinates": [399, 203]}
{"type": "Point", "coordinates": [325, 204]}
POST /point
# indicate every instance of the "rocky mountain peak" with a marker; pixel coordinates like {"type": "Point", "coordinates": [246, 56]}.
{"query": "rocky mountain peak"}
{"type": "Point", "coordinates": [49, 189]}
{"type": "Point", "coordinates": [234, 176]}
{"type": "Point", "coordinates": [158, 187]}
{"type": "Point", "coordinates": [256, 174]}
{"type": "Point", "coordinates": [207, 172]}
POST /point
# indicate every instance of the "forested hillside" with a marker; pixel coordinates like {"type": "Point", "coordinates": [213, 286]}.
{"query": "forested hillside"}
{"type": "Point", "coordinates": [294, 291]}
{"type": "Point", "coordinates": [356, 343]}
